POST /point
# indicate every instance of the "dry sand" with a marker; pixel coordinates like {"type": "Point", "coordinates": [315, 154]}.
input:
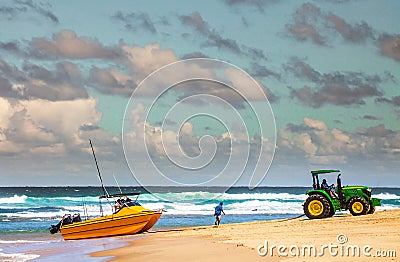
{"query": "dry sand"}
{"type": "Point", "coordinates": [241, 242]}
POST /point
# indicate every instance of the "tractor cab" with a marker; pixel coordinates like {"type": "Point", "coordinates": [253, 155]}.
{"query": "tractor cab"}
{"type": "Point", "coordinates": [315, 173]}
{"type": "Point", "coordinates": [334, 192]}
{"type": "Point", "coordinates": [324, 200]}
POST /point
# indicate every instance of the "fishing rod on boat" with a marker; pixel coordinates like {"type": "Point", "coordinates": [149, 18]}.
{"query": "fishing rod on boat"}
{"type": "Point", "coordinates": [85, 212]}
{"type": "Point", "coordinates": [98, 170]}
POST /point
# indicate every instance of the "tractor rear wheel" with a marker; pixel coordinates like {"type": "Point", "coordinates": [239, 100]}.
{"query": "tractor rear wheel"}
{"type": "Point", "coordinates": [316, 206]}
{"type": "Point", "coordinates": [371, 210]}
{"type": "Point", "coordinates": [358, 206]}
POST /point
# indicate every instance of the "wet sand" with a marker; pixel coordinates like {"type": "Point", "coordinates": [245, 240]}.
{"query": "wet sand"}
{"type": "Point", "coordinates": [340, 238]}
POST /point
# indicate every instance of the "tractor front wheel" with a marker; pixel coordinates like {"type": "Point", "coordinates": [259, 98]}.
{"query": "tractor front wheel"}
{"type": "Point", "coordinates": [358, 206]}
{"type": "Point", "coordinates": [316, 206]}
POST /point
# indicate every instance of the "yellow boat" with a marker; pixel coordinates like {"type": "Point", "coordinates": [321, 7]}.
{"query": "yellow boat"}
{"type": "Point", "coordinates": [153, 220]}
{"type": "Point", "coordinates": [127, 221]}
{"type": "Point", "coordinates": [130, 219]}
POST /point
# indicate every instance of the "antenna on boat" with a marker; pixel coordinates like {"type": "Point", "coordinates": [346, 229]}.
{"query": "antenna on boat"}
{"type": "Point", "coordinates": [85, 212]}
{"type": "Point", "coordinates": [117, 184]}
{"type": "Point", "coordinates": [98, 170]}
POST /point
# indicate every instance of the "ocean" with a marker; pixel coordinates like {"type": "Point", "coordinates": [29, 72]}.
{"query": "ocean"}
{"type": "Point", "coordinates": [26, 213]}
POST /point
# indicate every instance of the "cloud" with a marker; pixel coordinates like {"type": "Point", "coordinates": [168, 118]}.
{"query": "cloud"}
{"type": "Point", "coordinates": [196, 21]}
{"type": "Point", "coordinates": [334, 94]}
{"type": "Point", "coordinates": [138, 63]}
{"type": "Point", "coordinates": [395, 100]}
{"type": "Point", "coordinates": [136, 21]}
{"type": "Point", "coordinates": [11, 46]}
{"type": "Point", "coordinates": [235, 94]}
{"type": "Point", "coordinates": [238, 89]}
{"type": "Point", "coordinates": [195, 77]}
{"type": "Point", "coordinates": [194, 55]}
{"type": "Point", "coordinates": [110, 81]}
{"type": "Point", "coordinates": [172, 152]}
{"type": "Point", "coordinates": [339, 122]}
{"type": "Point", "coordinates": [356, 33]}
{"type": "Point", "coordinates": [306, 19]}
{"type": "Point", "coordinates": [261, 71]}
{"type": "Point", "coordinates": [390, 46]}
{"type": "Point", "coordinates": [181, 144]}
{"type": "Point", "coordinates": [36, 82]}
{"type": "Point", "coordinates": [304, 140]}
{"type": "Point", "coordinates": [31, 125]}
{"type": "Point", "coordinates": [10, 13]}
{"type": "Point", "coordinates": [319, 145]}
{"type": "Point", "coordinates": [350, 88]}
{"type": "Point", "coordinates": [245, 22]}
{"type": "Point", "coordinates": [215, 38]}
{"type": "Point", "coordinates": [64, 83]}
{"type": "Point", "coordinates": [144, 60]}
{"type": "Point", "coordinates": [41, 9]}
{"type": "Point", "coordinates": [89, 127]}
{"type": "Point", "coordinates": [338, 1]}
{"type": "Point", "coordinates": [28, 7]}
{"type": "Point", "coordinates": [126, 67]}
{"type": "Point", "coordinates": [309, 125]}
{"type": "Point", "coordinates": [6, 88]}
{"type": "Point", "coordinates": [376, 131]}
{"type": "Point", "coordinates": [271, 96]}
{"type": "Point", "coordinates": [311, 23]}
{"type": "Point", "coordinates": [37, 135]}
{"type": "Point", "coordinates": [185, 156]}
{"type": "Point", "coordinates": [316, 125]}
{"type": "Point", "coordinates": [369, 117]}
{"type": "Point", "coordinates": [303, 32]}
{"type": "Point", "coordinates": [379, 142]}
{"type": "Point", "coordinates": [66, 44]}
{"type": "Point", "coordinates": [259, 4]}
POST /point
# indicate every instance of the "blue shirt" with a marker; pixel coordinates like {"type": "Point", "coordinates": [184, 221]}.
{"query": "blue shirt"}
{"type": "Point", "coordinates": [218, 210]}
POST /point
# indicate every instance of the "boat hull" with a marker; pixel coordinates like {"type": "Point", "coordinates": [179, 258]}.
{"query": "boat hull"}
{"type": "Point", "coordinates": [151, 222]}
{"type": "Point", "coordinates": [127, 221]}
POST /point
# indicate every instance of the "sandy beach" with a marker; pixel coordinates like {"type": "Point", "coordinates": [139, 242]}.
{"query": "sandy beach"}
{"type": "Point", "coordinates": [346, 238]}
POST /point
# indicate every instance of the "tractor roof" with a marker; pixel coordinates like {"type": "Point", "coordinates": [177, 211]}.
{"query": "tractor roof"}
{"type": "Point", "coordinates": [316, 172]}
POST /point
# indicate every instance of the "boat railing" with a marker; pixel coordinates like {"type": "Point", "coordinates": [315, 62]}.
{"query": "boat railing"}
{"type": "Point", "coordinates": [120, 195]}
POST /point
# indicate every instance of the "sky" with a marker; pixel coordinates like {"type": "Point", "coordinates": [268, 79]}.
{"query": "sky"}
{"type": "Point", "coordinates": [230, 92]}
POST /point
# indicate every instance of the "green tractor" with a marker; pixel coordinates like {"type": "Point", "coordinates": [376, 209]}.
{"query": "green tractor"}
{"type": "Point", "coordinates": [323, 201]}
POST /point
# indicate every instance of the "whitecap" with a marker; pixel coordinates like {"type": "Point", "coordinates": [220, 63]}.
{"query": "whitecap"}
{"type": "Point", "coordinates": [14, 199]}
{"type": "Point", "coordinates": [17, 257]}
{"type": "Point", "coordinates": [20, 241]}
{"type": "Point", "coordinates": [265, 196]}
{"type": "Point", "coordinates": [386, 196]}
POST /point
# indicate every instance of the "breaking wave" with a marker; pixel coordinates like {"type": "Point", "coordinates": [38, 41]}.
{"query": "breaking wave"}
{"type": "Point", "coordinates": [22, 207]}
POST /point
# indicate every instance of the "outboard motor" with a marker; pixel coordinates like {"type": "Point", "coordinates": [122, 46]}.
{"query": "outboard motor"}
{"type": "Point", "coordinates": [67, 219]}
{"type": "Point", "coordinates": [55, 228]}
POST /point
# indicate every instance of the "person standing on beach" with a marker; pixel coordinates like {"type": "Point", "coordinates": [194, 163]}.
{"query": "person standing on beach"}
{"type": "Point", "coordinates": [217, 214]}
